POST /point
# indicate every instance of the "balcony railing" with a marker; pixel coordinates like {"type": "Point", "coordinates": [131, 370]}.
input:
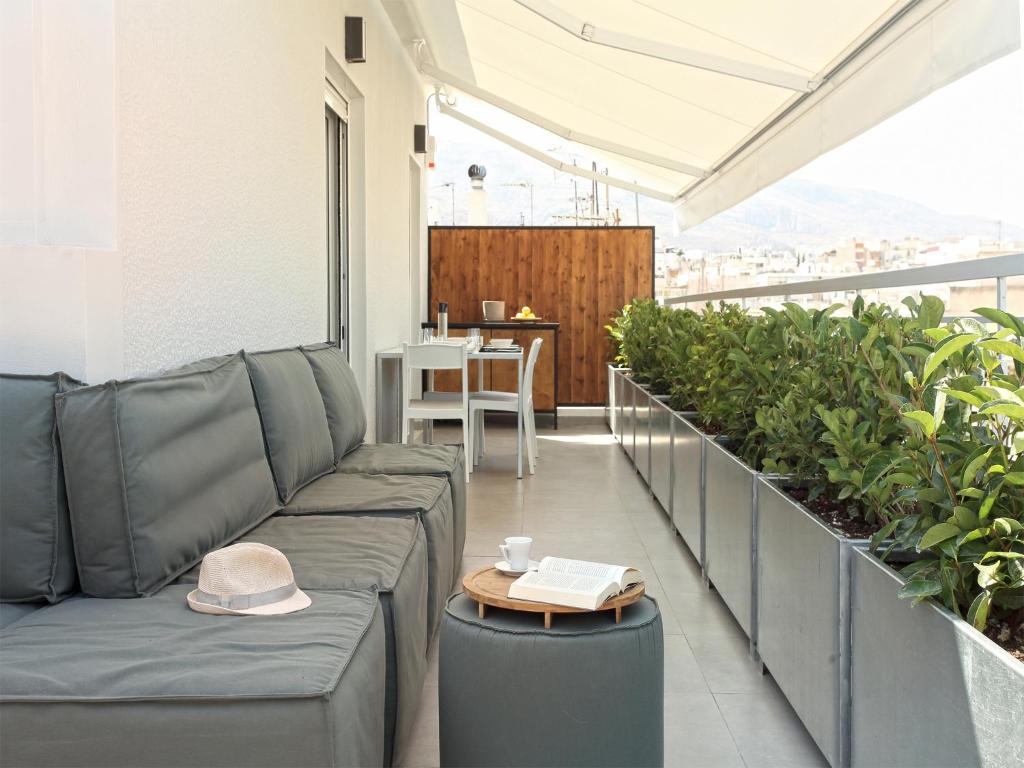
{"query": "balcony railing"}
{"type": "Point", "coordinates": [998, 268]}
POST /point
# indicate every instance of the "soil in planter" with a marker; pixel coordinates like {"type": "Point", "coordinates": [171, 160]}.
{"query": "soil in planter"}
{"type": "Point", "coordinates": [1009, 633]}
{"type": "Point", "coordinates": [835, 514]}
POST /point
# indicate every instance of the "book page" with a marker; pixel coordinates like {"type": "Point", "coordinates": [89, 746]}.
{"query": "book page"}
{"type": "Point", "coordinates": [577, 584]}
{"type": "Point", "coordinates": [603, 571]}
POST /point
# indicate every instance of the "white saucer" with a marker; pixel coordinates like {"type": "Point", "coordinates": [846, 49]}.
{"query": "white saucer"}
{"type": "Point", "coordinates": [504, 567]}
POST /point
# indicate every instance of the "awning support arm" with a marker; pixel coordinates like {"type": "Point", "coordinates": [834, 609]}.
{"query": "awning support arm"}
{"type": "Point", "coordinates": [558, 165]}
{"type": "Point", "coordinates": [587, 32]}
{"type": "Point", "coordinates": [559, 130]}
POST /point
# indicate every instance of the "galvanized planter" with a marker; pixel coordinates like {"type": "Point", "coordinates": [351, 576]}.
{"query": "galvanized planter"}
{"type": "Point", "coordinates": [729, 532]}
{"type": "Point", "coordinates": [612, 413]}
{"type": "Point", "coordinates": [803, 616]}
{"type": "Point", "coordinates": [642, 431]}
{"type": "Point", "coordinates": [626, 420]}
{"type": "Point", "coordinates": [661, 452]}
{"type": "Point", "coordinates": [621, 382]}
{"type": "Point", "coordinates": [688, 482]}
{"type": "Point", "coordinates": [928, 690]}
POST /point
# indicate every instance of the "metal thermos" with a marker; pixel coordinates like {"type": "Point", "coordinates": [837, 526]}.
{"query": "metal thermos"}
{"type": "Point", "coordinates": [442, 320]}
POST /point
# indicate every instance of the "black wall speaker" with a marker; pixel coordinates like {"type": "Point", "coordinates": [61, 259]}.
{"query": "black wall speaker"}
{"type": "Point", "coordinates": [419, 139]}
{"type": "Point", "coordinates": [355, 39]}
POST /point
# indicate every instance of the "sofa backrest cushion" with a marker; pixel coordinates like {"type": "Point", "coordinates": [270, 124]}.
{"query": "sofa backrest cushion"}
{"type": "Point", "coordinates": [294, 421]}
{"type": "Point", "coordinates": [342, 401]}
{"type": "Point", "coordinates": [37, 559]}
{"type": "Point", "coordinates": [159, 472]}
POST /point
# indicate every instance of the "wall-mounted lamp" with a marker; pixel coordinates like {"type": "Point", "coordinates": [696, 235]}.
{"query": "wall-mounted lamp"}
{"type": "Point", "coordinates": [355, 40]}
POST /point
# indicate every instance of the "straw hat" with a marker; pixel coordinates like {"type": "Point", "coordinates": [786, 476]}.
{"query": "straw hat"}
{"type": "Point", "coordinates": [247, 579]}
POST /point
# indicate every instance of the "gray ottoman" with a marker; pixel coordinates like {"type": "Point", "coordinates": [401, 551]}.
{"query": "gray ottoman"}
{"type": "Point", "coordinates": [586, 692]}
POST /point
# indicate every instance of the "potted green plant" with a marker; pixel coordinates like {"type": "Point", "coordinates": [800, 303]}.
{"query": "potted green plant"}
{"type": "Point", "coordinates": [819, 500]}
{"type": "Point", "coordinates": [951, 620]}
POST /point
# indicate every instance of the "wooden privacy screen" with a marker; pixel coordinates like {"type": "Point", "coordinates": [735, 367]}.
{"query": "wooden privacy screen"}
{"type": "Point", "coordinates": [575, 276]}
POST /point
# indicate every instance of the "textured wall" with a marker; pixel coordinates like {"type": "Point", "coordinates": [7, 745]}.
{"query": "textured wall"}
{"type": "Point", "coordinates": [218, 240]}
{"type": "Point", "coordinates": [220, 135]}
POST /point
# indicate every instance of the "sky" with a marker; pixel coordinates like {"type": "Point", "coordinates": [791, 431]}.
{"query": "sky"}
{"type": "Point", "coordinates": [959, 150]}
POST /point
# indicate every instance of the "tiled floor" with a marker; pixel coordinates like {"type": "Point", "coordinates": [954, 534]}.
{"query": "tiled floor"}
{"type": "Point", "coordinates": [586, 501]}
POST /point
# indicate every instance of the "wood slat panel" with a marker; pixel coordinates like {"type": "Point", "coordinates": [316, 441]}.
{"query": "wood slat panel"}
{"type": "Point", "coordinates": [576, 276]}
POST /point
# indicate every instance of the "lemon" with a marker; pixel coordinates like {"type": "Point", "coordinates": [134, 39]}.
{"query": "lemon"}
{"type": "Point", "coordinates": [527, 311]}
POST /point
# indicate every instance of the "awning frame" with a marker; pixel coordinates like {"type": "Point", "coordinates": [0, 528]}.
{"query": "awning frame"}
{"type": "Point", "coordinates": [547, 159]}
{"type": "Point", "coordinates": [556, 128]}
{"type": "Point", "coordinates": [584, 30]}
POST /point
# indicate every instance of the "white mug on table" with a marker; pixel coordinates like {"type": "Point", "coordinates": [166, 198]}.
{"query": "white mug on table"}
{"type": "Point", "coordinates": [516, 551]}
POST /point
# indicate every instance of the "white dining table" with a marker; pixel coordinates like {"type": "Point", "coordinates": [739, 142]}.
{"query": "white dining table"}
{"type": "Point", "coordinates": [388, 381]}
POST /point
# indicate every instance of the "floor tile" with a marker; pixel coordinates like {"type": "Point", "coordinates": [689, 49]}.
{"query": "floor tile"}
{"type": "Point", "coordinates": [767, 732]}
{"type": "Point", "coordinates": [587, 501]}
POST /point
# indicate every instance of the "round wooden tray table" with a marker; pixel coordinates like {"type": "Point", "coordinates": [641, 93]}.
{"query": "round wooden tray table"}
{"type": "Point", "coordinates": [489, 586]}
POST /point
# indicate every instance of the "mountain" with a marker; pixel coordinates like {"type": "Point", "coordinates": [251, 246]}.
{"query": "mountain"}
{"type": "Point", "coordinates": [791, 214]}
{"type": "Point", "coordinates": [797, 213]}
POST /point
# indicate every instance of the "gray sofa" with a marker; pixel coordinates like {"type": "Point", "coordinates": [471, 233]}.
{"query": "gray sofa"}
{"type": "Point", "coordinates": [110, 495]}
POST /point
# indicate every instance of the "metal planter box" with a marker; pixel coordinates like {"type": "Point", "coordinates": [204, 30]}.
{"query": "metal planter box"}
{"type": "Point", "coordinates": [688, 483]}
{"type": "Point", "coordinates": [626, 416]}
{"type": "Point", "coordinates": [612, 411]}
{"type": "Point", "coordinates": [661, 453]}
{"type": "Point", "coordinates": [642, 431]}
{"type": "Point", "coordinates": [928, 690]}
{"type": "Point", "coordinates": [729, 531]}
{"type": "Point", "coordinates": [803, 616]}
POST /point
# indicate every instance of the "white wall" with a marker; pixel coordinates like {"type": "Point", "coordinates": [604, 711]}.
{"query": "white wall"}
{"type": "Point", "coordinates": [162, 181]}
{"type": "Point", "coordinates": [60, 291]}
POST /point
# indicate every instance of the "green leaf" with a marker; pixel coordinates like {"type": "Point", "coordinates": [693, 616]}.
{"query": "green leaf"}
{"type": "Point", "coordinates": [1003, 348]}
{"type": "Point", "coordinates": [923, 419]}
{"type": "Point", "coordinates": [920, 588]}
{"type": "Point", "coordinates": [946, 349]}
{"type": "Point", "coordinates": [1015, 478]}
{"type": "Point", "coordinates": [977, 614]}
{"type": "Point", "coordinates": [999, 317]}
{"type": "Point", "coordinates": [987, 574]}
{"type": "Point", "coordinates": [1012, 410]}
{"type": "Point", "coordinates": [974, 465]}
{"type": "Point", "coordinates": [965, 397]}
{"type": "Point", "coordinates": [936, 535]}
{"type": "Point", "coordinates": [965, 517]}
{"type": "Point", "coordinates": [932, 311]}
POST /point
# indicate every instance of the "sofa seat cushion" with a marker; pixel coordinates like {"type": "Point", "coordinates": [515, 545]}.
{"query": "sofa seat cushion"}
{"type": "Point", "coordinates": [37, 558]}
{"type": "Point", "coordinates": [12, 612]}
{"type": "Point", "coordinates": [141, 682]}
{"type": "Point", "coordinates": [293, 416]}
{"type": "Point", "coordinates": [425, 498]}
{"type": "Point", "coordinates": [159, 472]}
{"type": "Point", "coordinates": [387, 553]}
{"type": "Point", "coordinates": [445, 461]}
{"type": "Point", "coordinates": [346, 414]}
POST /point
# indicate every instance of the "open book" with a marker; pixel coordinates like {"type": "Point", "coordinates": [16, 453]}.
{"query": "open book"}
{"type": "Point", "coordinates": [576, 583]}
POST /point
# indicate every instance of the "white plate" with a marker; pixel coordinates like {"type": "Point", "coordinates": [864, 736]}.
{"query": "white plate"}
{"type": "Point", "coordinates": [504, 567]}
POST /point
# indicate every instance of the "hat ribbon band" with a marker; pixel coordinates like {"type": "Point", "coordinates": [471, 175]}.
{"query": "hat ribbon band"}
{"type": "Point", "coordinates": [244, 602]}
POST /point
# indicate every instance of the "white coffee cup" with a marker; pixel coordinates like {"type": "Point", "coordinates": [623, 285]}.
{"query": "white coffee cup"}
{"type": "Point", "coordinates": [516, 550]}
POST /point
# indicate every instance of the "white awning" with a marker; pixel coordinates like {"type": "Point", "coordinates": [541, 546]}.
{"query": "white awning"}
{"type": "Point", "coordinates": [703, 103]}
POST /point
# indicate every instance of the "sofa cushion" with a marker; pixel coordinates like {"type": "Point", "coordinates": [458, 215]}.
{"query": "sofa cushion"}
{"type": "Point", "coordinates": [445, 461]}
{"type": "Point", "coordinates": [150, 682]}
{"type": "Point", "coordinates": [425, 498]}
{"type": "Point", "coordinates": [37, 559]}
{"type": "Point", "coordinates": [159, 472]}
{"type": "Point", "coordinates": [346, 414]}
{"type": "Point", "coordinates": [293, 416]}
{"type": "Point", "coordinates": [12, 612]}
{"type": "Point", "coordinates": [386, 553]}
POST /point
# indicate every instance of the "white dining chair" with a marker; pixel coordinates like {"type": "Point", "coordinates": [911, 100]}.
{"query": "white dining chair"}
{"type": "Point", "coordinates": [435, 357]}
{"type": "Point", "coordinates": [490, 400]}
